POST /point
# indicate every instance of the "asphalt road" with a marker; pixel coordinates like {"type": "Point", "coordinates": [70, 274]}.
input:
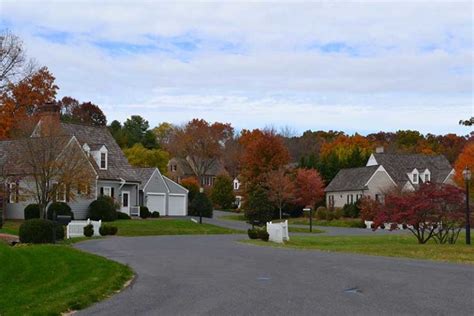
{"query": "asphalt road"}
{"type": "Point", "coordinates": [216, 275]}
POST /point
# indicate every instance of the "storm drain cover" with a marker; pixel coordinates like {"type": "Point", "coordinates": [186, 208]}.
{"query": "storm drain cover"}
{"type": "Point", "coordinates": [263, 278]}
{"type": "Point", "coordinates": [353, 290]}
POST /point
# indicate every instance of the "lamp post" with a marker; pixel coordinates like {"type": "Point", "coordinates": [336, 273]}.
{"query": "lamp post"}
{"type": "Point", "coordinates": [467, 178]}
{"type": "Point", "coordinates": [201, 191]}
{"type": "Point", "coordinates": [310, 210]}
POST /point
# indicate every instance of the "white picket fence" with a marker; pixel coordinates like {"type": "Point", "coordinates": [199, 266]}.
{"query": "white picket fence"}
{"type": "Point", "coordinates": [368, 225]}
{"type": "Point", "coordinates": [278, 232]}
{"type": "Point", "coordinates": [76, 228]}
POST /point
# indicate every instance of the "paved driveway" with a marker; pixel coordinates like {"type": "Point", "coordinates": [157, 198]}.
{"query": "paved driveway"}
{"type": "Point", "coordinates": [216, 275]}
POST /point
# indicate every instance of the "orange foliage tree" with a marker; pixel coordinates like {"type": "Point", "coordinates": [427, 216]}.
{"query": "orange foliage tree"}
{"type": "Point", "coordinates": [20, 101]}
{"type": "Point", "coordinates": [263, 151]}
{"type": "Point", "coordinates": [465, 159]}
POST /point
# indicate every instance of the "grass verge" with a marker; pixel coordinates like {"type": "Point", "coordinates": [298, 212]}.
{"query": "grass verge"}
{"type": "Point", "coordinates": [388, 246]}
{"type": "Point", "coordinates": [53, 279]}
{"type": "Point", "coordinates": [168, 226]}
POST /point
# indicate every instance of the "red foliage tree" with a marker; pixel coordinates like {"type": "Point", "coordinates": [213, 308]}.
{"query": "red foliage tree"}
{"type": "Point", "coordinates": [280, 188]}
{"type": "Point", "coordinates": [433, 211]}
{"type": "Point", "coordinates": [309, 187]}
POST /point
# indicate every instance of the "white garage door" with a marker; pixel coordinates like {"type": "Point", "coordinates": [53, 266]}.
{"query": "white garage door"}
{"type": "Point", "coordinates": [156, 203]}
{"type": "Point", "coordinates": [177, 205]}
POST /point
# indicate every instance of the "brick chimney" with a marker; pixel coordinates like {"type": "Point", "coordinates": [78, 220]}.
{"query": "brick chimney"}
{"type": "Point", "coordinates": [49, 115]}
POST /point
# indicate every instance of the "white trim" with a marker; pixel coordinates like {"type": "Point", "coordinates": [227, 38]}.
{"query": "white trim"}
{"type": "Point", "coordinates": [452, 172]}
{"type": "Point", "coordinates": [380, 168]}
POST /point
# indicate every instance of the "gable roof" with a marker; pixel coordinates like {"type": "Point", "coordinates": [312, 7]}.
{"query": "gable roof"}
{"type": "Point", "coordinates": [398, 165]}
{"type": "Point", "coordinates": [351, 179]}
{"type": "Point", "coordinates": [95, 136]}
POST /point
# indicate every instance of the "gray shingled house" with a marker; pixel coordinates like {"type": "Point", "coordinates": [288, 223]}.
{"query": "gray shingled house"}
{"type": "Point", "coordinates": [385, 172]}
{"type": "Point", "coordinates": [180, 168]}
{"type": "Point", "coordinates": [114, 176]}
{"type": "Point", "coordinates": [160, 194]}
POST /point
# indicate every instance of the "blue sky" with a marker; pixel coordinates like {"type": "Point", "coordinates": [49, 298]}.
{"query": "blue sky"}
{"type": "Point", "coordinates": [353, 66]}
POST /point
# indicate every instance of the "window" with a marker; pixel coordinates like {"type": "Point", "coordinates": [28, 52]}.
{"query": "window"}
{"type": "Point", "coordinates": [103, 160]}
{"type": "Point", "coordinates": [106, 191]}
{"type": "Point", "coordinates": [13, 193]}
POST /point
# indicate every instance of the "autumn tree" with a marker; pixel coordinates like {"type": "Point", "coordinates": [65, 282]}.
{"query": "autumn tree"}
{"type": "Point", "coordinates": [433, 211]}
{"type": "Point", "coordinates": [309, 187]}
{"type": "Point", "coordinates": [14, 64]}
{"type": "Point", "coordinates": [222, 193]}
{"type": "Point", "coordinates": [21, 100]}
{"type": "Point", "coordinates": [465, 159]}
{"type": "Point", "coordinates": [140, 156]}
{"type": "Point", "coordinates": [201, 143]}
{"type": "Point", "coordinates": [55, 165]}
{"type": "Point", "coordinates": [280, 187]}
{"type": "Point", "coordinates": [263, 152]}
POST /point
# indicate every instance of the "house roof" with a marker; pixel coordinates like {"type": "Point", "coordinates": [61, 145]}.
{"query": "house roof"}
{"type": "Point", "coordinates": [398, 165]}
{"type": "Point", "coordinates": [352, 179]}
{"type": "Point", "coordinates": [95, 136]}
{"type": "Point", "coordinates": [144, 174]}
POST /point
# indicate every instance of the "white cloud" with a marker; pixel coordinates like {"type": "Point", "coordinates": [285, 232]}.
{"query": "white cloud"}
{"type": "Point", "coordinates": [402, 56]}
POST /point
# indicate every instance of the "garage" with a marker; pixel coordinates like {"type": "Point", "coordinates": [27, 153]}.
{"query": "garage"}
{"type": "Point", "coordinates": [161, 194]}
{"type": "Point", "coordinates": [156, 202]}
{"type": "Point", "coordinates": [177, 205]}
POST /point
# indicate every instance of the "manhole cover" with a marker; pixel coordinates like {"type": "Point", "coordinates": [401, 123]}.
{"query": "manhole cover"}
{"type": "Point", "coordinates": [353, 290]}
{"type": "Point", "coordinates": [263, 279]}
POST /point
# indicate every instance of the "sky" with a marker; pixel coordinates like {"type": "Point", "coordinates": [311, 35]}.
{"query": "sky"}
{"type": "Point", "coordinates": [331, 65]}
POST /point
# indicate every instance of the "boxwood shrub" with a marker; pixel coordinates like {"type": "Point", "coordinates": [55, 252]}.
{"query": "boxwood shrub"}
{"type": "Point", "coordinates": [89, 230]}
{"type": "Point", "coordinates": [144, 212]}
{"type": "Point", "coordinates": [32, 211]}
{"type": "Point", "coordinates": [59, 208]}
{"type": "Point", "coordinates": [102, 209]}
{"type": "Point", "coordinates": [37, 231]}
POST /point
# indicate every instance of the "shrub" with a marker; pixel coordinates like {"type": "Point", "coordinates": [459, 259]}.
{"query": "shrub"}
{"type": "Point", "coordinates": [259, 208]}
{"type": "Point", "coordinates": [59, 231]}
{"type": "Point", "coordinates": [37, 231]}
{"type": "Point", "coordinates": [201, 203]}
{"type": "Point", "coordinates": [32, 211]}
{"type": "Point", "coordinates": [321, 213]}
{"type": "Point", "coordinates": [222, 193]}
{"type": "Point", "coordinates": [351, 210]}
{"type": "Point", "coordinates": [89, 230]}
{"type": "Point", "coordinates": [144, 212]}
{"type": "Point", "coordinates": [263, 234]}
{"type": "Point", "coordinates": [253, 233]}
{"type": "Point", "coordinates": [105, 230]}
{"type": "Point", "coordinates": [102, 209]}
{"type": "Point", "coordinates": [121, 215]}
{"type": "Point", "coordinates": [59, 208]}
{"type": "Point", "coordinates": [338, 213]}
{"type": "Point", "coordinates": [155, 214]}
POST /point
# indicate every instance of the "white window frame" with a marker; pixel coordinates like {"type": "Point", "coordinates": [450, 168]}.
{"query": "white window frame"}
{"type": "Point", "coordinates": [12, 194]}
{"type": "Point", "coordinates": [107, 189]}
{"type": "Point", "coordinates": [105, 160]}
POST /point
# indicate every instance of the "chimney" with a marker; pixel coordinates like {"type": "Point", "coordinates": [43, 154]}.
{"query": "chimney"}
{"type": "Point", "coordinates": [379, 150]}
{"type": "Point", "coordinates": [49, 117]}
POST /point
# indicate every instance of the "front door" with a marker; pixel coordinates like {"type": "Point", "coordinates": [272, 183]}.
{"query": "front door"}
{"type": "Point", "coordinates": [126, 202]}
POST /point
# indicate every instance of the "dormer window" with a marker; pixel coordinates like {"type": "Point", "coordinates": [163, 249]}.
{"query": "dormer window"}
{"type": "Point", "coordinates": [103, 160]}
{"type": "Point", "coordinates": [415, 176]}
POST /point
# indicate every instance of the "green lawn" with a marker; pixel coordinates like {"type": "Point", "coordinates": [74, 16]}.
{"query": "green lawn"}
{"type": "Point", "coordinates": [167, 226]}
{"type": "Point", "coordinates": [389, 246]}
{"type": "Point", "coordinates": [52, 279]}
{"type": "Point", "coordinates": [11, 227]}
